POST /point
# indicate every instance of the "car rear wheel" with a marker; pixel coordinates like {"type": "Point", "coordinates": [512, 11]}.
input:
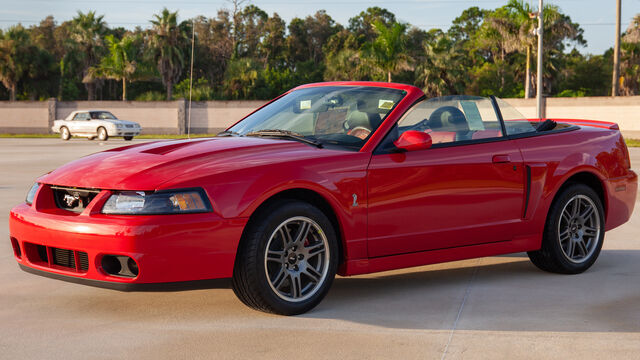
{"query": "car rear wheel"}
{"type": "Point", "coordinates": [64, 133]}
{"type": "Point", "coordinates": [574, 232]}
{"type": "Point", "coordinates": [102, 134]}
{"type": "Point", "coordinates": [128, 138]}
{"type": "Point", "coordinates": [287, 259]}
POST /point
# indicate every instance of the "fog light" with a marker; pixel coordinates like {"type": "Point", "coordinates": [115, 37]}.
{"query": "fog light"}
{"type": "Point", "coordinates": [133, 267]}
{"type": "Point", "coordinates": [111, 265]}
{"type": "Point", "coordinates": [120, 265]}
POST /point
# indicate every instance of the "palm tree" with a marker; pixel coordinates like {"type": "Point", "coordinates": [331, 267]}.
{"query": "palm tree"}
{"type": "Point", "coordinates": [442, 71]}
{"type": "Point", "coordinates": [20, 59]}
{"type": "Point", "coordinates": [525, 37]}
{"type": "Point", "coordinates": [121, 63]}
{"type": "Point", "coordinates": [510, 29]}
{"type": "Point", "coordinates": [630, 59]}
{"type": "Point", "coordinates": [88, 31]}
{"type": "Point", "coordinates": [166, 42]}
{"type": "Point", "coordinates": [11, 55]}
{"type": "Point", "coordinates": [388, 49]}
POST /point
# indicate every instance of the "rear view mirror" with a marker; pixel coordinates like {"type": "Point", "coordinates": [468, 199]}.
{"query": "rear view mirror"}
{"type": "Point", "coordinates": [412, 140]}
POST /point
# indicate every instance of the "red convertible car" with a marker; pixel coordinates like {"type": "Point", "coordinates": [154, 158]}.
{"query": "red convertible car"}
{"type": "Point", "coordinates": [332, 178]}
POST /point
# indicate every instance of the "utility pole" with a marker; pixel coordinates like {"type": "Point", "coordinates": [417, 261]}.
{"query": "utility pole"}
{"type": "Point", "coordinates": [615, 81]}
{"type": "Point", "coordinates": [540, 69]}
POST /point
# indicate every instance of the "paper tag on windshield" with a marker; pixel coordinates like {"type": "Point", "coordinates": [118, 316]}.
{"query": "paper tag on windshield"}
{"type": "Point", "coordinates": [385, 104]}
{"type": "Point", "coordinates": [305, 104]}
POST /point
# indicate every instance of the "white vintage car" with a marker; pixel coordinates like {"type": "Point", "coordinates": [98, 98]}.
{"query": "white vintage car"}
{"type": "Point", "coordinates": [95, 124]}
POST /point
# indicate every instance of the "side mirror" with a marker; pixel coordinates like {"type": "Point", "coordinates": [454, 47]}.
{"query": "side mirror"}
{"type": "Point", "coordinates": [412, 140]}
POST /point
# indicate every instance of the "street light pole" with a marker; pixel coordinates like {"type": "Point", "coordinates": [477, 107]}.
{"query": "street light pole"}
{"type": "Point", "coordinates": [615, 81]}
{"type": "Point", "coordinates": [540, 71]}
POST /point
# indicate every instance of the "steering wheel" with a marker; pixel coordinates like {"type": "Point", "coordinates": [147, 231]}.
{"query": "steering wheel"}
{"type": "Point", "coordinates": [360, 132]}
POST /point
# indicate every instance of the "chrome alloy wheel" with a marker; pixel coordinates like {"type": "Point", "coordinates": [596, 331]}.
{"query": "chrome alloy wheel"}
{"type": "Point", "coordinates": [579, 229]}
{"type": "Point", "coordinates": [296, 259]}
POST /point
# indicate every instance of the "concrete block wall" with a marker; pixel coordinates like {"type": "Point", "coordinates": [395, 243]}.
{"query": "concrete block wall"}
{"type": "Point", "coordinates": [172, 117]}
{"type": "Point", "coordinates": [24, 117]}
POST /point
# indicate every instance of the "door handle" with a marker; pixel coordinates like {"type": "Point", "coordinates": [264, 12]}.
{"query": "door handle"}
{"type": "Point", "coordinates": [498, 159]}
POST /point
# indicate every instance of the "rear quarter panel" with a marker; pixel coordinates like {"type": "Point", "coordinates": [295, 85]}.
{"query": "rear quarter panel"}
{"type": "Point", "coordinates": [555, 157]}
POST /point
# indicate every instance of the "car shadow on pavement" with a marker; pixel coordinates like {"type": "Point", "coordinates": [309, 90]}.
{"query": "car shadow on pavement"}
{"type": "Point", "coordinates": [504, 293]}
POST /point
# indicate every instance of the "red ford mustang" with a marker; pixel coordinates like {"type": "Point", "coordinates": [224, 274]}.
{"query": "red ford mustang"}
{"type": "Point", "coordinates": [344, 177]}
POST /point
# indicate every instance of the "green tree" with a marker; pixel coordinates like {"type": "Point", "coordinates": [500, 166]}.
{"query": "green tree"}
{"type": "Point", "coordinates": [166, 44]}
{"type": "Point", "coordinates": [20, 59]}
{"type": "Point", "coordinates": [272, 44]}
{"type": "Point", "coordinates": [307, 37]}
{"type": "Point", "coordinates": [249, 28]}
{"type": "Point", "coordinates": [442, 70]}
{"type": "Point", "coordinates": [362, 25]}
{"type": "Point", "coordinates": [241, 79]}
{"type": "Point", "coordinates": [630, 59]}
{"type": "Point", "coordinates": [88, 31]}
{"type": "Point", "coordinates": [122, 63]}
{"type": "Point", "coordinates": [388, 49]}
{"type": "Point", "coordinates": [214, 47]}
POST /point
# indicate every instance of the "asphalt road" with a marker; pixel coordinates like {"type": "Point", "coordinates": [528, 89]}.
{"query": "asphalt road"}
{"type": "Point", "coordinates": [489, 308]}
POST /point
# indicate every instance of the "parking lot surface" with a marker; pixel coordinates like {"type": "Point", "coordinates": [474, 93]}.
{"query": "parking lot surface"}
{"type": "Point", "coordinates": [491, 308]}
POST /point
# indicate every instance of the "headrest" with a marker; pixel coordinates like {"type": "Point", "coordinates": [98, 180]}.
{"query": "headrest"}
{"type": "Point", "coordinates": [447, 115]}
{"type": "Point", "coordinates": [368, 105]}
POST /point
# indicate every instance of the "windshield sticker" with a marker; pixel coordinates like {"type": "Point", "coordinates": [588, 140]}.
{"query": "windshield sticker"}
{"type": "Point", "coordinates": [473, 115]}
{"type": "Point", "coordinates": [385, 104]}
{"type": "Point", "coordinates": [305, 104]}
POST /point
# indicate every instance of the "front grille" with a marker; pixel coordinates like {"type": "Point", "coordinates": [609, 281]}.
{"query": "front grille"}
{"type": "Point", "coordinates": [129, 125]}
{"type": "Point", "coordinates": [83, 259]}
{"type": "Point", "coordinates": [73, 199]}
{"type": "Point", "coordinates": [59, 258]}
{"type": "Point", "coordinates": [63, 257]}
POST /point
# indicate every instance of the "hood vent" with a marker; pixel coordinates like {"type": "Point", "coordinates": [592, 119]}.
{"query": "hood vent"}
{"type": "Point", "coordinates": [163, 150]}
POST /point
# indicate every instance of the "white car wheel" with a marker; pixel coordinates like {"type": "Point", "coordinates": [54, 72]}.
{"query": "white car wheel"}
{"type": "Point", "coordinates": [64, 133]}
{"type": "Point", "coordinates": [102, 134]}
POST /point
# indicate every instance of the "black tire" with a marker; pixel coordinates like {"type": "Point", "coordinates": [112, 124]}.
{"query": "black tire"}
{"type": "Point", "coordinates": [128, 138]}
{"type": "Point", "coordinates": [102, 134]}
{"type": "Point", "coordinates": [91, 138]}
{"type": "Point", "coordinates": [578, 236]}
{"type": "Point", "coordinates": [253, 279]}
{"type": "Point", "coordinates": [65, 134]}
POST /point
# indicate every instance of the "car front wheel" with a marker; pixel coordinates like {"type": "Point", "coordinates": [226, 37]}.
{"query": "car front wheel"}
{"type": "Point", "coordinates": [574, 232]}
{"type": "Point", "coordinates": [128, 138]}
{"type": "Point", "coordinates": [287, 259]}
{"type": "Point", "coordinates": [102, 134]}
{"type": "Point", "coordinates": [64, 133]}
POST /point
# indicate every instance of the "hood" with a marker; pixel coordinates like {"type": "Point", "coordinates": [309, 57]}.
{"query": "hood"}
{"type": "Point", "coordinates": [117, 121]}
{"type": "Point", "coordinates": [147, 166]}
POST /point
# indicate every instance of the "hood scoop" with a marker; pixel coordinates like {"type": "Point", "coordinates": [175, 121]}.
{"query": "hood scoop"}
{"type": "Point", "coordinates": [166, 149]}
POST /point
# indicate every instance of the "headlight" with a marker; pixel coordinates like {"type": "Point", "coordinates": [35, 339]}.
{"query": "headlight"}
{"type": "Point", "coordinates": [161, 202]}
{"type": "Point", "coordinates": [119, 125]}
{"type": "Point", "coordinates": [32, 193]}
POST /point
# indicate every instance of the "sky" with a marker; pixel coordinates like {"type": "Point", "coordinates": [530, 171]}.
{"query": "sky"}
{"type": "Point", "coordinates": [596, 17]}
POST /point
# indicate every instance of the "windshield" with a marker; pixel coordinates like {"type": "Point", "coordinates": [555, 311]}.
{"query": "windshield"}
{"type": "Point", "coordinates": [100, 115]}
{"type": "Point", "coordinates": [345, 116]}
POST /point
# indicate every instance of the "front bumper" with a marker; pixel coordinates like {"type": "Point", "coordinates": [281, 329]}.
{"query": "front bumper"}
{"type": "Point", "coordinates": [166, 248]}
{"type": "Point", "coordinates": [126, 132]}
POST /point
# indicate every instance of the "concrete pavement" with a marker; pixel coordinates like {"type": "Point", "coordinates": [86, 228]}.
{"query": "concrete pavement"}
{"type": "Point", "coordinates": [490, 308]}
